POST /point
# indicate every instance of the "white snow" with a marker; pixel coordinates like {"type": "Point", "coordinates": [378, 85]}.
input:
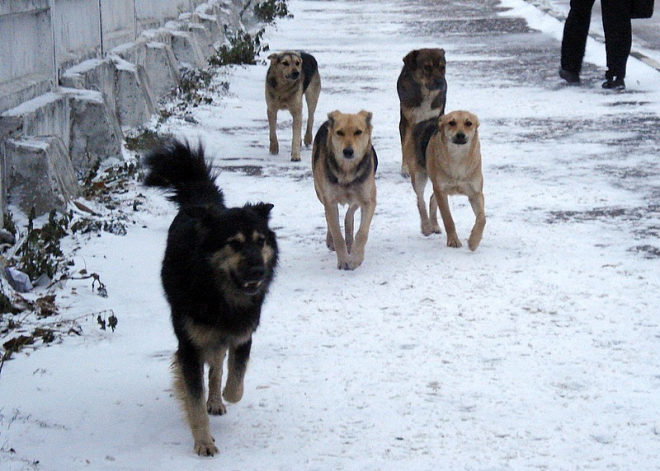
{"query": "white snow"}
{"type": "Point", "coordinates": [538, 351]}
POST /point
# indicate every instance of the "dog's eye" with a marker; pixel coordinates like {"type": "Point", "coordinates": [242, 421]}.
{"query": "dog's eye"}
{"type": "Point", "coordinates": [285, 63]}
{"type": "Point", "coordinates": [452, 123]}
{"type": "Point", "coordinates": [298, 63]}
{"type": "Point", "coordinates": [260, 240]}
{"type": "Point", "coordinates": [357, 133]}
{"type": "Point", "coordinates": [340, 133]}
{"type": "Point", "coordinates": [468, 123]}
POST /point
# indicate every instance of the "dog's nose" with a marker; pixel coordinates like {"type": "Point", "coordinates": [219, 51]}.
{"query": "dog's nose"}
{"type": "Point", "coordinates": [460, 138]}
{"type": "Point", "coordinates": [348, 152]}
{"type": "Point", "coordinates": [295, 75]}
{"type": "Point", "coordinates": [255, 273]}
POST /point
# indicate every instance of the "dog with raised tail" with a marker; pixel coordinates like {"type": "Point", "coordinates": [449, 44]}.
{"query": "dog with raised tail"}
{"type": "Point", "coordinates": [219, 263]}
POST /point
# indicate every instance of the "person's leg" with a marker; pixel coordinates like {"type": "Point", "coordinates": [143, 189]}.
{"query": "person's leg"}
{"type": "Point", "coordinates": [618, 37]}
{"type": "Point", "coordinates": [574, 40]}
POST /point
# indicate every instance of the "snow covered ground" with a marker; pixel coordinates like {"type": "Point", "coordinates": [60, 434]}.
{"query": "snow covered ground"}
{"type": "Point", "coordinates": [541, 350]}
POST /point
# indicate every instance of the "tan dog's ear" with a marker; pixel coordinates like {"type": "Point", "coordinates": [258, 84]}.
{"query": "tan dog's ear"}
{"type": "Point", "coordinates": [274, 56]}
{"type": "Point", "coordinates": [367, 115]}
{"type": "Point", "coordinates": [332, 116]}
{"type": "Point", "coordinates": [411, 58]}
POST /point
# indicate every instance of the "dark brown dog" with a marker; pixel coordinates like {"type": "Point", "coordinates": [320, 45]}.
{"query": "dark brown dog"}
{"type": "Point", "coordinates": [290, 76]}
{"type": "Point", "coordinates": [422, 90]}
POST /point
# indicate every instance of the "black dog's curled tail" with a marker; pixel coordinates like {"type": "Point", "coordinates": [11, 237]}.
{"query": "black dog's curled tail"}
{"type": "Point", "coordinates": [176, 166]}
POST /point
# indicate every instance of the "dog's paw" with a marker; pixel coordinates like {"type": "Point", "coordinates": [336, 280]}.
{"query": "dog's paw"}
{"type": "Point", "coordinates": [233, 393]}
{"type": "Point", "coordinates": [453, 241]}
{"type": "Point", "coordinates": [343, 264]}
{"type": "Point", "coordinates": [353, 264]}
{"type": "Point", "coordinates": [206, 447]}
{"type": "Point", "coordinates": [274, 148]}
{"type": "Point", "coordinates": [308, 140]}
{"type": "Point", "coordinates": [214, 406]}
{"type": "Point", "coordinates": [405, 173]}
{"type": "Point", "coordinates": [428, 229]}
{"type": "Point", "coordinates": [473, 243]}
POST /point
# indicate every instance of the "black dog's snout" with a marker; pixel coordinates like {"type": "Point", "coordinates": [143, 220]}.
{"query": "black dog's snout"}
{"type": "Point", "coordinates": [295, 75]}
{"type": "Point", "coordinates": [255, 273]}
{"type": "Point", "coordinates": [348, 152]}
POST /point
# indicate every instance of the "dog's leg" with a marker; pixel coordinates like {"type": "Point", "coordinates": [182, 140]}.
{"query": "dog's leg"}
{"type": "Point", "coordinates": [349, 224]}
{"type": "Point", "coordinates": [272, 131]}
{"type": "Point", "coordinates": [406, 143]}
{"type": "Point", "coordinates": [236, 367]}
{"type": "Point", "coordinates": [296, 114]}
{"type": "Point", "coordinates": [433, 214]}
{"type": "Point", "coordinates": [450, 227]}
{"type": "Point", "coordinates": [419, 180]}
{"type": "Point", "coordinates": [312, 99]}
{"type": "Point", "coordinates": [366, 215]}
{"type": "Point", "coordinates": [328, 240]}
{"type": "Point", "coordinates": [477, 203]}
{"type": "Point", "coordinates": [332, 219]}
{"type": "Point", "coordinates": [214, 404]}
{"type": "Point", "coordinates": [189, 386]}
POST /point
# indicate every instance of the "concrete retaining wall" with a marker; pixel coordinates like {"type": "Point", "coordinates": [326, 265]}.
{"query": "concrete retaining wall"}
{"type": "Point", "coordinates": [26, 51]}
{"type": "Point", "coordinates": [75, 73]}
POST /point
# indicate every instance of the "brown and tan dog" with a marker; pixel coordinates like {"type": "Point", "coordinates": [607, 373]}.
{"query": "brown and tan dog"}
{"type": "Point", "coordinates": [422, 90]}
{"type": "Point", "coordinates": [290, 76]}
{"type": "Point", "coordinates": [344, 165]}
{"type": "Point", "coordinates": [449, 153]}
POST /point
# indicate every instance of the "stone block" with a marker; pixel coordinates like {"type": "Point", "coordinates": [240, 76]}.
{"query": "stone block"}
{"type": "Point", "coordinates": [135, 101]}
{"type": "Point", "coordinates": [94, 74]}
{"type": "Point", "coordinates": [203, 37]}
{"type": "Point", "coordinates": [41, 175]}
{"type": "Point", "coordinates": [162, 68]}
{"type": "Point", "coordinates": [186, 49]}
{"type": "Point", "coordinates": [95, 131]}
{"type": "Point", "coordinates": [46, 115]}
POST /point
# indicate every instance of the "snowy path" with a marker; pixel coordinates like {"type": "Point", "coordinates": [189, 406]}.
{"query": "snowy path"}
{"type": "Point", "coordinates": [538, 351]}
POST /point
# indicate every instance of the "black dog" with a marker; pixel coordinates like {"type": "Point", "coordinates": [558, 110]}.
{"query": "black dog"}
{"type": "Point", "coordinates": [219, 263]}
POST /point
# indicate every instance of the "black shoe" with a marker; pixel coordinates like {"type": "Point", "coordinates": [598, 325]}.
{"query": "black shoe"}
{"type": "Point", "coordinates": [570, 77]}
{"type": "Point", "coordinates": [614, 84]}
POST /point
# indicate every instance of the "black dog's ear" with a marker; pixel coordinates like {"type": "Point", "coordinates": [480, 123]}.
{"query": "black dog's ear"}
{"type": "Point", "coordinates": [262, 209]}
{"type": "Point", "coordinates": [411, 58]}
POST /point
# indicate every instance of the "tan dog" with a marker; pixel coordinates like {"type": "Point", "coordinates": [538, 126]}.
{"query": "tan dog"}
{"type": "Point", "coordinates": [344, 166]}
{"type": "Point", "coordinates": [449, 153]}
{"type": "Point", "coordinates": [422, 91]}
{"type": "Point", "coordinates": [290, 76]}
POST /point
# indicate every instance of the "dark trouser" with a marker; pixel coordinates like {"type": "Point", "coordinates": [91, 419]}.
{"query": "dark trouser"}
{"type": "Point", "coordinates": [576, 30]}
{"type": "Point", "coordinates": [618, 35]}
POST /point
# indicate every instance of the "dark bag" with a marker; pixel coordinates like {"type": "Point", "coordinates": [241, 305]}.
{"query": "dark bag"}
{"type": "Point", "coordinates": [641, 9]}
